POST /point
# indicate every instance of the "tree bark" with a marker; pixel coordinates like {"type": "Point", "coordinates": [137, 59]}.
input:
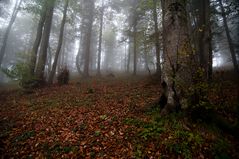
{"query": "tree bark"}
{"type": "Point", "coordinates": [53, 71]}
{"type": "Point", "coordinates": [87, 38]}
{"type": "Point", "coordinates": [204, 40]}
{"type": "Point", "coordinates": [129, 53]}
{"type": "Point", "coordinates": [44, 42]}
{"type": "Point", "coordinates": [9, 27]}
{"type": "Point", "coordinates": [100, 38]}
{"type": "Point", "coordinates": [177, 52]}
{"type": "Point", "coordinates": [229, 39]}
{"type": "Point", "coordinates": [157, 45]}
{"type": "Point", "coordinates": [38, 39]}
{"type": "Point", "coordinates": [135, 45]}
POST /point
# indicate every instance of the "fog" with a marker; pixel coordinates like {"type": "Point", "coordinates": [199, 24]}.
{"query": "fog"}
{"type": "Point", "coordinates": [119, 79]}
{"type": "Point", "coordinates": [117, 48]}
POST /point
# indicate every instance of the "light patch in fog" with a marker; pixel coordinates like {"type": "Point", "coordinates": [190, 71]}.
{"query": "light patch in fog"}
{"type": "Point", "coordinates": [217, 61]}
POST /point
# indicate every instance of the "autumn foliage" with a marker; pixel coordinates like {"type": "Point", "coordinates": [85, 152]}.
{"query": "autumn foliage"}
{"type": "Point", "coordinates": [103, 118]}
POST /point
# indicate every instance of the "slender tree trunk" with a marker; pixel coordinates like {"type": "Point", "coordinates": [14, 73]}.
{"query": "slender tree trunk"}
{"type": "Point", "coordinates": [9, 27]}
{"type": "Point", "coordinates": [129, 53]}
{"type": "Point", "coordinates": [38, 39]}
{"type": "Point", "coordinates": [45, 41]}
{"type": "Point", "coordinates": [163, 26]}
{"type": "Point", "coordinates": [49, 60]}
{"type": "Point", "coordinates": [125, 56]}
{"type": "Point", "coordinates": [100, 38]}
{"type": "Point", "coordinates": [90, 17]}
{"type": "Point", "coordinates": [204, 34]}
{"type": "Point", "coordinates": [157, 45]}
{"type": "Point", "coordinates": [229, 39]}
{"type": "Point", "coordinates": [53, 71]}
{"type": "Point", "coordinates": [146, 60]}
{"type": "Point", "coordinates": [135, 46]}
{"type": "Point", "coordinates": [78, 64]}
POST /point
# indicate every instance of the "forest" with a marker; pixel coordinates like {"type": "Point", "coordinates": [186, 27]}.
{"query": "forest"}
{"type": "Point", "coordinates": [126, 79]}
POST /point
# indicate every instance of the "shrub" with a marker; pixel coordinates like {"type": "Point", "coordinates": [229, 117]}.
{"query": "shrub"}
{"type": "Point", "coordinates": [63, 77]}
{"type": "Point", "coordinates": [21, 72]}
{"type": "Point", "coordinates": [199, 104]}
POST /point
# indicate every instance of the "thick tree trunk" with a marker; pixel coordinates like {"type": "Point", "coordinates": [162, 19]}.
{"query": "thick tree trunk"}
{"type": "Point", "coordinates": [157, 45]}
{"type": "Point", "coordinates": [100, 38]}
{"type": "Point", "coordinates": [177, 53]}
{"type": "Point", "coordinates": [38, 39]}
{"type": "Point", "coordinates": [204, 38]}
{"type": "Point", "coordinates": [87, 38]}
{"type": "Point", "coordinates": [45, 41]}
{"type": "Point", "coordinates": [229, 39]}
{"type": "Point", "coordinates": [53, 71]}
{"type": "Point", "coordinates": [9, 27]}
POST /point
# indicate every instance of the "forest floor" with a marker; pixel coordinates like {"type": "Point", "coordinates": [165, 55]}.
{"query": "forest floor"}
{"type": "Point", "coordinates": [103, 118]}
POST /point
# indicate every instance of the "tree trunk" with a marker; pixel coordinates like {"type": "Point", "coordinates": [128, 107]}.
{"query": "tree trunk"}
{"type": "Point", "coordinates": [157, 45]}
{"type": "Point", "coordinates": [87, 38]}
{"type": "Point", "coordinates": [100, 38]}
{"type": "Point", "coordinates": [49, 61]}
{"type": "Point", "coordinates": [229, 39]}
{"type": "Point", "coordinates": [146, 56]}
{"type": "Point", "coordinates": [44, 42]}
{"type": "Point", "coordinates": [38, 39]}
{"type": "Point", "coordinates": [177, 53]}
{"type": "Point", "coordinates": [128, 59]}
{"type": "Point", "coordinates": [53, 71]}
{"type": "Point", "coordinates": [9, 27]}
{"type": "Point", "coordinates": [135, 46]}
{"type": "Point", "coordinates": [204, 40]}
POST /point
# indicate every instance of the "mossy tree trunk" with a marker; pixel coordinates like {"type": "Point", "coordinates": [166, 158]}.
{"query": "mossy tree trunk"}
{"type": "Point", "coordinates": [177, 74]}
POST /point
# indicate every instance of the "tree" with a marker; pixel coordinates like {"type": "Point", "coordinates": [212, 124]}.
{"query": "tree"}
{"type": "Point", "coordinates": [87, 23]}
{"type": "Point", "coordinates": [53, 71]}
{"type": "Point", "coordinates": [100, 37]}
{"type": "Point", "coordinates": [9, 27]}
{"type": "Point", "coordinates": [45, 41]}
{"type": "Point", "coordinates": [177, 52]}
{"type": "Point", "coordinates": [134, 22]}
{"type": "Point", "coordinates": [204, 38]}
{"type": "Point", "coordinates": [135, 43]}
{"type": "Point", "coordinates": [109, 43]}
{"type": "Point", "coordinates": [229, 39]}
{"type": "Point", "coordinates": [157, 44]}
{"type": "Point", "coordinates": [37, 41]}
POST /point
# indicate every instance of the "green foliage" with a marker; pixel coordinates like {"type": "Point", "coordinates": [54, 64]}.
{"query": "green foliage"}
{"type": "Point", "coordinates": [149, 129]}
{"type": "Point", "coordinates": [25, 136]}
{"type": "Point", "coordinates": [138, 151]}
{"type": "Point", "coordinates": [133, 121]}
{"type": "Point", "coordinates": [63, 77]}
{"type": "Point", "coordinates": [199, 104]}
{"type": "Point", "coordinates": [183, 142]}
{"type": "Point", "coordinates": [220, 148]}
{"type": "Point", "coordinates": [152, 130]}
{"type": "Point", "coordinates": [97, 133]}
{"type": "Point", "coordinates": [21, 73]}
{"type": "Point", "coordinates": [103, 117]}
